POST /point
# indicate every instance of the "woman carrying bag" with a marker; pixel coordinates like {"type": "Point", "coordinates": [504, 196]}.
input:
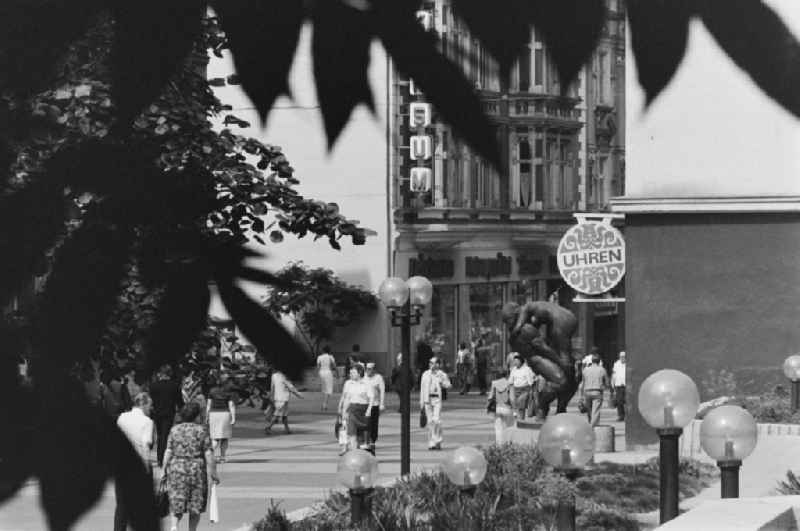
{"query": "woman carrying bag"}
{"type": "Point", "coordinates": [501, 398]}
{"type": "Point", "coordinates": [189, 467]}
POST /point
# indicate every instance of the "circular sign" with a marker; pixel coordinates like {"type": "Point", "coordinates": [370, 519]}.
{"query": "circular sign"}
{"type": "Point", "coordinates": [591, 257]}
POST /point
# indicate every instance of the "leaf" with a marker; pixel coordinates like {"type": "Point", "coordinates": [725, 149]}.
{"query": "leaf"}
{"type": "Point", "coordinates": [340, 47]}
{"type": "Point", "coordinates": [262, 330]}
{"type": "Point", "coordinates": [35, 36]}
{"type": "Point", "coordinates": [181, 315]}
{"type": "Point", "coordinates": [81, 292]}
{"type": "Point", "coordinates": [659, 32]}
{"type": "Point", "coordinates": [255, 28]}
{"type": "Point", "coordinates": [73, 472]}
{"type": "Point", "coordinates": [505, 29]}
{"type": "Point", "coordinates": [758, 41]}
{"type": "Point", "coordinates": [152, 38]}
{"type": "Point", "coordinates": [571, 29]}
{"type": "Point", "coordinates": [415, 54]}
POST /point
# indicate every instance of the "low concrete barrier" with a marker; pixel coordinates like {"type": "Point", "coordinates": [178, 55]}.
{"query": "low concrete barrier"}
{"type": "Point", "coordinates": [689, 443]}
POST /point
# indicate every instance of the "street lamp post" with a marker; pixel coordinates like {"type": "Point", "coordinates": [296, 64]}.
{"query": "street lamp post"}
{"type": "Point", "coordinates": [791, 369]}
{"type": "Point", "coordinates": [405, 300]}
{"type": "Point", "coordinates": [668, 401]}
{"type": "Point", "coordinates": [357, 470]}
{"type": "Point", "coordinates": [465, 468]}
{"type": "Point", "coordinates": [566, 442]}
{"type": "Point", "coordinates": [728, 434]}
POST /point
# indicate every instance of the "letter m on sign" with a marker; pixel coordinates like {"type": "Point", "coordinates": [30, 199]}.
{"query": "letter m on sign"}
{"type": "Point", "coordinates": [420, 179]}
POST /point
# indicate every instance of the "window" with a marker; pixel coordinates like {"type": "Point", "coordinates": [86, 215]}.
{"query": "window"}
{"type": "Point", "coordinates": [525, 70]}
{"type": "Point", "coordinates": [525, 185]}
{"type": "Point", "coordinates": [538, 67]}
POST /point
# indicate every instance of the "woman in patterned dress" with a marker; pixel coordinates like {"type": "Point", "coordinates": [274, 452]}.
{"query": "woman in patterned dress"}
{"type": "Point", "coordinates": [188, 465]}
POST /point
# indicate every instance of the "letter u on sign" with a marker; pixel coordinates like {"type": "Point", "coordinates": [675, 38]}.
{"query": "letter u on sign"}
{"type": "Point", "coordinates": [420, 147]}
{"type": "Point", "coordinates": [420, 179]}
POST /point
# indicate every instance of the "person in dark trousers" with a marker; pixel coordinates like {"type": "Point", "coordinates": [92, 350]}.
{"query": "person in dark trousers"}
{"type": "Point", "coordinates": [424, 355]}
{"type": "Point", "coordinates": [481, 366]}
{"type": "Point", "coordinates": [167, 400]}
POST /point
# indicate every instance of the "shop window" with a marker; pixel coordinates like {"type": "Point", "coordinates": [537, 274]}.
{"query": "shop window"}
{"type": "Point", "coordinates": [441, 328]}
{"type": "Point", "coordinates": [485, 320]}
{"type": "Point", "coordinates": [523, 291]}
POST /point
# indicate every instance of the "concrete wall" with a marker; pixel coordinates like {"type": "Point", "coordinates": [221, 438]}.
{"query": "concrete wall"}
{"type": "Point", "coordinates": [710, 292]}
{"type": "Point", "coordinates": [353, 175]}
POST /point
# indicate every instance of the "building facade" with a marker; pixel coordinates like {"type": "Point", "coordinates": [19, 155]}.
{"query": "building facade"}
{"type": "Point", "coordinates": [485, 236]}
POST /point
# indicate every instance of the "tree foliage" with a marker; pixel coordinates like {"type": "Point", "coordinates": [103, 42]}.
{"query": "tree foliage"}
{"type": "Point", "coordinates": [114, 136]}
{"type": "Point", "coordinates": [317, 301]}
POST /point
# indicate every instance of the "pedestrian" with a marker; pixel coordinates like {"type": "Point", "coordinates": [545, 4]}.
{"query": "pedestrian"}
{"type": "Point", "coordinates": [502, 393]}
{"type": "Point", "coordinates": [92, 385]}
{"type": "Point", "coordinates": [116, 399]}
{"type": "Point", "coordinates": [379, 390]}
{"type": "Point", "coordinates": [465, 362]}
{"type": "Point", "coordinates": [188, 467]}
{"type": "Point", "coordinates": [430, 399]}
{"type": "Point", "coordinates": [521, 378]}
{"type": "Point", "coordinates": [396, 379]}
{"type": "Point", "coordinates": [167, 400]}
{"type": "Point", "coordinates": [221, 413]}
{"type": "Point", "coordinates": [595, 380]}
{"type": "Point", "coordinates": [481, 366]}
{"type": "Point", "coordinates": [326, 365]}
{"type": "Point", "coordinates": [280, 390]}
{"type": "Point", "coordinates": [587, 359]}
{"type": "Point", "coordinates": [424, 355]}
{"type": "Point", "coordinates": [355, 406]}
{"type": "Point", "coordinates": [138, 428]}
{"type": "Point", "coordinates": [133, 382]}
{"type": "Point", "coordinates": [618, 385]}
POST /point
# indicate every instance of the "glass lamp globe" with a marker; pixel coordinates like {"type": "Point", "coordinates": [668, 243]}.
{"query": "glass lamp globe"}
{"type": "Point", "coordinates": [566, 441]}
{"type": "Point", "coordinates": [465, 467]}
{"type": "Point", "coordinates": [668, 399]}
{"type": "Point", "coordinates": [728, 433]}
{"type": "Point", "coordinates": [421, 291]}
{"type": "Point", "coordinates": [393, 292]}
{"type": "Point", "coordinates": [357, 469]}
{"type": "Point", "coordinates": [791, 367]}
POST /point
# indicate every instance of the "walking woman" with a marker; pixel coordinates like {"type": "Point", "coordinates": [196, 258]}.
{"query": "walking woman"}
{"type": "Point", "coordinates": [326, 364]}
{"type": "Point", "coordinates": [503, 394]}
{"type": "Point", "coordinates": [358, 397]}
{"type": "Point", "coordinates": [188, 466]}
{"type": "Point", "coordinates": [521, 378]}
{"type": "Point", "coordinates": [221, 413]}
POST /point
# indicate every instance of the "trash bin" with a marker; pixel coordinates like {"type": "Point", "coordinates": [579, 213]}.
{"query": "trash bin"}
{"type": "Point", "coordinates": [603, 439]}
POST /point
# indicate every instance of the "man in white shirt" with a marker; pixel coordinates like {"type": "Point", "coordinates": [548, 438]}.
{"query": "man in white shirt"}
{"type": "Point", "coordinates": [138, 428]}
{"type": "Point", "coordinates": [430, 399]}
{"type": "Point", "coordinates": [281, 389]}
{"type": "Point", "coordinates": [618, 385]}
{"type": "Point", "coordinates": [375, 380]}
{"type": "Point", "coordinates": [521, 379]}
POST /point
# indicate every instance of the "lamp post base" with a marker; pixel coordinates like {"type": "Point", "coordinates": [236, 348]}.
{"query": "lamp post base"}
{"type": "Point", "coordinates": [668, 470]}
{"type": "Point", "coordinates": [795, 395]}
{"type": "Point", "coordinates": [359, 504]}
{"type": "Point", "coordinates": [729, 474]}
{"type": "Point", "coordinates": [565, 510]}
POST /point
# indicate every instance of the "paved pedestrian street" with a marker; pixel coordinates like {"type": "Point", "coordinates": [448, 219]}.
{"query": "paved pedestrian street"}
{"type": "Point", "coordinates": [295, 470]}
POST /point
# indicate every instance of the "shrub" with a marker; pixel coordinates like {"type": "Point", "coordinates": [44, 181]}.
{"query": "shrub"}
{"type": "Point", "coordinates": [519, 492]}
{"type": "Point", "coordinates": [718, 383]}
{"type": "Point", "coordinates": [790, 487]}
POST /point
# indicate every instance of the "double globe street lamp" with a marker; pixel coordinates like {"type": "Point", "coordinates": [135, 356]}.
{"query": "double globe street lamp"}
{"type": "Point", "coordinates": [405, 299]}
{"type": "Point", "coordinates": [668, 401]}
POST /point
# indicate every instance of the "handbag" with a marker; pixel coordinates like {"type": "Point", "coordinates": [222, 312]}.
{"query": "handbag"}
{"type": "Point", "coordinates": [423, 418]}
{"type": "Point", "coordinates": [162, 497]}
{"type": "Point", "coordinates": [582, 406]}
{"type": "Point", "coordinates": [337, 427]}
{"type": "Point", "coordinates": [491, 405]}
{"type": "Point", "coordinates": [213, 504]}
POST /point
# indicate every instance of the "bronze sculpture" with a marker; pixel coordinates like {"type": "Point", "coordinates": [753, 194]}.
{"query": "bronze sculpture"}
{"type": "Point", "coordinates": [542, 333]}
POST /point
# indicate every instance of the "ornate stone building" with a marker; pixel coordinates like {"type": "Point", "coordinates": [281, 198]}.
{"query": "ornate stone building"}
{"type": "Point", "coordinates": [486, 236]}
